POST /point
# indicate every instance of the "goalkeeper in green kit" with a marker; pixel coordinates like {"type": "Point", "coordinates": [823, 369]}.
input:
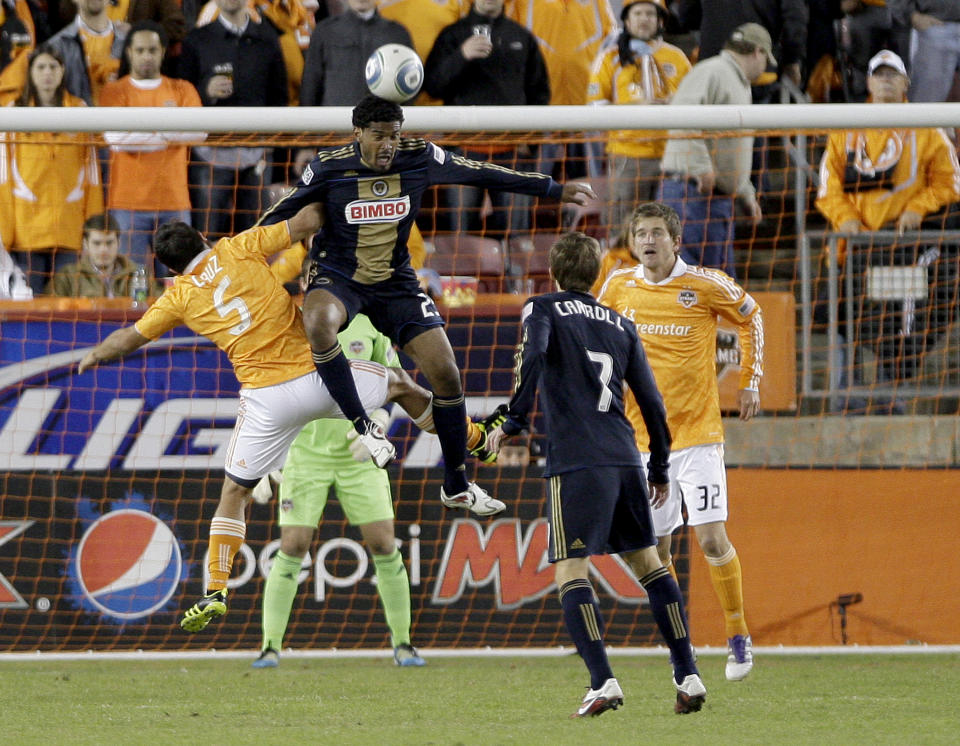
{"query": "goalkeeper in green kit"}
{"type": "Point", "coordinates": [323, 456]}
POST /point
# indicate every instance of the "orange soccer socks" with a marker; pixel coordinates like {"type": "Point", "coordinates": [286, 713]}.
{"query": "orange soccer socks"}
{"type": "Point", "coordinates": [727, 581]}
{"type": "Point", "coordinates": [226, 538]}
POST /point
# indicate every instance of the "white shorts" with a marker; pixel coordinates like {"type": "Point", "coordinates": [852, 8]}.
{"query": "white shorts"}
{"type": "Point", "coordinates": [698, 479]}
{"type": "Point", "coordinates": [269, 418]}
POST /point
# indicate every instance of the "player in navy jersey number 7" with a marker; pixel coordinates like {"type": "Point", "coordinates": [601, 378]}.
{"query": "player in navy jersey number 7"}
{"type": "Point", "coordinates": [579, 354]}
{"type": "Point", "coordinates": [371, 191]}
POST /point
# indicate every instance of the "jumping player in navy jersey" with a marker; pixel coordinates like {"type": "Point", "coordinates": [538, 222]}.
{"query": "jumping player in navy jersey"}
{"type": "Point", "coordinates": [579, 354]}
{"type": "Point", "coordinates": [371, 192]}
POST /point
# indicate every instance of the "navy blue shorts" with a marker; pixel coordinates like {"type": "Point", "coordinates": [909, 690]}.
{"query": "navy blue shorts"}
{"type": "Point", "coordinates": [603, 510]}
{"type": "Point", "coordinates": [397, 307]}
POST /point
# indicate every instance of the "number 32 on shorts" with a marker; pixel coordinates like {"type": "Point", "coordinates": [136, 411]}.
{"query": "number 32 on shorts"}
{"type": "Point", "coordinates": [709, 496]}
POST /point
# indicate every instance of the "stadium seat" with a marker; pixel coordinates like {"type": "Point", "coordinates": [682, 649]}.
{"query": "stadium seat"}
{"type": "Point", "coordinates": [465, 254]}
{"type": "Point", "coordinates": [589, 218]}
{"type": "Point", "coordinates": [529, 257]}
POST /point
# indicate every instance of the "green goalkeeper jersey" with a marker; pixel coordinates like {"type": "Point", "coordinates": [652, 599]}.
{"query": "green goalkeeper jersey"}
{"type": "Point", "coordinates": [326, 440]}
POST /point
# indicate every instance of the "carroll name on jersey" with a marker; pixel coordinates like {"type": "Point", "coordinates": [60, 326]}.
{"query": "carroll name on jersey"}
{"type": "Point", "coordinates": [597, 313]}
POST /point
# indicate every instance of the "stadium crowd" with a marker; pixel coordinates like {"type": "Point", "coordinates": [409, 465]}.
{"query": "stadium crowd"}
{"type": "Point", "coordinates": [494, 52]}
{"type": "Point", "coordinates": [78, 216]}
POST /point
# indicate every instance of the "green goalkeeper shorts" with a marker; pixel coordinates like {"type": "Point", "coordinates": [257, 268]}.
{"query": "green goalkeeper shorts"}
{"type": "Point", "coordinates": [362, 489]}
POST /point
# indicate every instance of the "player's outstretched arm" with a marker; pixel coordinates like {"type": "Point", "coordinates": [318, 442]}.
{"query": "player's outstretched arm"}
{"type": "Point", "coordinates": [119, 343]}
{"type": "Point", "coordinates": [306, 222]}
{"type": "Point", "coordinates": [577, 191]}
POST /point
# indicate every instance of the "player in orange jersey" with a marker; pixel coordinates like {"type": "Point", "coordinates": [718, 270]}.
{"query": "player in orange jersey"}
{"type": "Point", "coordinates": [675, 308]}
{"type": "Point", "coordinates": [227, 293]}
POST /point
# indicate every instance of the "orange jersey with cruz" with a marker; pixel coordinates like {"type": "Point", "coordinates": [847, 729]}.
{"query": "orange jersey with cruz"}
{"type": "Point", "coordinates": [677, 323]}
{"type": "Point", "coordinates": [229, 295]}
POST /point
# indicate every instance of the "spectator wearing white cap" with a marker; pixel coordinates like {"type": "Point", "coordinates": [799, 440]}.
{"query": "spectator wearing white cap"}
{"type": "Point", "coordinates": [883, 179]}
{"type": "Point", "coordinates": [876, 178]}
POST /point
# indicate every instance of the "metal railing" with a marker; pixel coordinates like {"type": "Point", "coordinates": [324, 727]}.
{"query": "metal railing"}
{"type": "Point", "coordinates": [873, 271]}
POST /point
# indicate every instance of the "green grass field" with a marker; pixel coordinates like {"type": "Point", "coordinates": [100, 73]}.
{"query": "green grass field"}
{"type": "Point", "coordinates": [849, 699]}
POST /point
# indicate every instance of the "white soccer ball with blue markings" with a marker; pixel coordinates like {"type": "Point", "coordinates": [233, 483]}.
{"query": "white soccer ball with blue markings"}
{"type": "Point", "coordinates": [394, 72]}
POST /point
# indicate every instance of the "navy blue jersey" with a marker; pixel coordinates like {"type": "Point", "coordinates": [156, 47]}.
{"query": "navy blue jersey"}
{"type": "Point", "coordinates": [579, 354]}
{"type": "Point", "coordinates": [368, 214]}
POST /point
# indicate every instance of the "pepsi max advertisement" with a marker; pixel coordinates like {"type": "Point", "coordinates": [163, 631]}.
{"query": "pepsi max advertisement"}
{"type": "Point", "coordinates": [109, 480]}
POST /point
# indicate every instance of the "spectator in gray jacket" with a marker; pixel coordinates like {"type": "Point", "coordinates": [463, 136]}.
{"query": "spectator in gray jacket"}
{"type": "Point", "coordinates": [336, 60]}
{"type": "Point", "coordinates": [701, 177]}
{"type": "Point", "coordinates": [333, 72]}
{"type": "Point", "coordinates": [86, 73]}
{"type": "Point", "coordinates": [936, 56]}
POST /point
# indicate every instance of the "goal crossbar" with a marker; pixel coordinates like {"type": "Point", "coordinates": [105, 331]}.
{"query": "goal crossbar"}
{"type": "Point", "coordinates": [326, 119]}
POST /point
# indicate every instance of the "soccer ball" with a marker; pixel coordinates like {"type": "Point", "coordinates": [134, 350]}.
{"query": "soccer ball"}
{"type": "Point", "coordinates": [394, 72]}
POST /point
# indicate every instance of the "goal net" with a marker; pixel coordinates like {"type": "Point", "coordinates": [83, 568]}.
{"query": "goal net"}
{"type": "Point", "coordinates": [108, 479]}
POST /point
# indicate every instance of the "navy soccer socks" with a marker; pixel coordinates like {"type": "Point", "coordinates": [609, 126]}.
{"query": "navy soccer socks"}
{"type": "Point", "coordinates": [585, 626]}
{"type": "Point", "coordinates": [666, 605]}
{"type": "Point", "coordinates": [334, 370]}
{"type": "Point", "coordinates": [450, 421]}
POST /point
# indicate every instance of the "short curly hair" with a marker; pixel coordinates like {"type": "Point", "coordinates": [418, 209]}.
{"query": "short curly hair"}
{"type": "Point", "coordinates": [176, 244]}
{"type": "Point", "coordinates": [658, 210]}
{"type": "Point", "coordinates": [375, 109]}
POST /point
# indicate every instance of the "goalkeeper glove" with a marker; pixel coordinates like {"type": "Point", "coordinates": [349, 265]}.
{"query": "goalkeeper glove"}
{"type": "Point", "coordinates": [357, 449]}
{"type": "Point", "coordinates": [263, 492]}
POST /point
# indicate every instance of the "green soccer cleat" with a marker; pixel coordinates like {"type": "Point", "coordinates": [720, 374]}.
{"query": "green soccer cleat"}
{"type": "Point", "coordinates": [208, 608]}
{"type": "Point", "coordinates": [487, 424]}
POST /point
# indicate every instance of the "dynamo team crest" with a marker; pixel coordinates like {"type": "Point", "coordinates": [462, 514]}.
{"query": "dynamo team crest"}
{"type": "Point", "coordinates": [128, 564]}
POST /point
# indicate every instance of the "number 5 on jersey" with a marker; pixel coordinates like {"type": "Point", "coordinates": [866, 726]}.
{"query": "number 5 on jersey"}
{"type": "Point", "coordinates": [235, 304]}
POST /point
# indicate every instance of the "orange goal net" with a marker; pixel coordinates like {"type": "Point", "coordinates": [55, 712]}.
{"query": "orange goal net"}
{"type": "Point", "coordinates": [108, 479]}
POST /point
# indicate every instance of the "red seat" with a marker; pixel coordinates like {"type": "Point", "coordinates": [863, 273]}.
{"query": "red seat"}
{"type": "Point", "coordinates": [465, 254]}
{"type": "Point", "coordinates": [529, 257]}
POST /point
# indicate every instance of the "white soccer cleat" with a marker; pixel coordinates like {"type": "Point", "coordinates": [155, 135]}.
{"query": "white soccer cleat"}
{"type": "Point", "coordinates": [598, 701]}
{"type": "Point", "coordinates": [375, 441]}
{"type": "Point", "coordinates": [474, 499]}
{"type": "Point", "coordinates": [691, 694]}
{"type": "Point", "coordinates": [740, 658]}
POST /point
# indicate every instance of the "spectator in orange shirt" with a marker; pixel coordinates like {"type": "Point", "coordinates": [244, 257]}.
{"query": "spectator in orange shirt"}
{"type": "Point", "coordinates": [570, 36]}
{"type": "Point", "coordinates": [148, 170]}
{"type": "Point", "coordinates": [49, 181]}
